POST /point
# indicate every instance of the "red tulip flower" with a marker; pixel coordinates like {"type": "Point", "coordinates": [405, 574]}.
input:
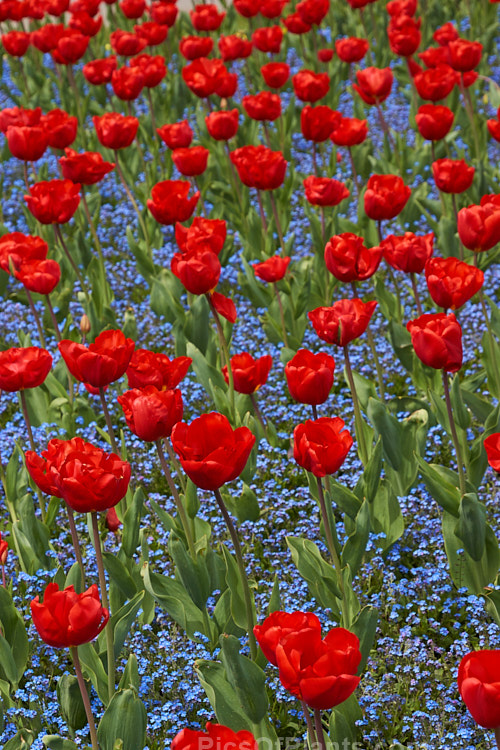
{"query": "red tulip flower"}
{"type": "Point", "coordinates": [268, 38]}
{"type": "Point", "coordinates": [259, 167]}
{"type": "Point", "coordinates": [53, 201]}
{"type": "Point", "coordinates": [115, 131]}
{"type": "Point", "coordinates": [192, 161]}
{"type": "Point", "coordinates": [27, 143]}
{"type": "Point", "coordinates": [176, 134]}
{"type": "Point", "coordinates": [19, 116]}
{"type": "Point", "coordinates": [132, 8]}
{"type": "Point", "coordinates": [280, 624]}
{"type": "Point", "coordinates": [215, 736]}
{"type": "Point", "coordinates": [344, 321]}
{"type": "Point", "coordinates": [408, 253]}
{"type": "Point", "coordinates": [203, 233]}
{"type": "Point", "coordinates": [313, 12]}
{"type": "Point", "coordinates": [275, 74]}
{"type": "Point", "coordinates": [349, 132]}
{"type": "Point", "coordinates": [437, 340]}
{"type": "Point", "coordinates": [494, 126]}
{"type": "Point", "coordinates": [309, 86]}
{"type": "Point", "coordinates": [295, 25]}
{"type": "Point", "coordinates": [17, 248]}
{"type": "Point", "coordinates": [164, 13]}
{"type": "Point", "coordinates": [210, 451]}
{"type": "Point", "coordinates": [374, 84]}
{"type": "Point", "coordinates": [321, 445]}
{"type": "Point", "coordinates": [445, 34]}
{"type": "Point", "coordinates": [351, 49]}
{"type": "Point", "coordinates": [206, 17]}
{"type": "Point", "coordinates": [126, 43]}
{"type": "Point", "coordinates": [234, 47]}
{"type": "Point", "coordinates": [451, 282]}
{"type": "Point", "coordinates": [205, 77]}
{"type": "Point", "coordinates": [385, 196]}
{"type": "Point", "coordinates": [404, 35]}
{"type": "Point", "coordinates": [273, 269]}
{"type": "Point", "coordinates": [127, 83]}
{"type": "Point", "coordinates": [22, 368]}
{"type": "Point", "coordinates": [479, 686]}
{"type": "Point", "coordinates": [198, 270]}
{"type": "Point", "coordinates": [151, 413]}
{"type": "Point", "coordinates": [39, 276]}
{"type": "Point", "coordinates": [45, 38]}
{"type": "Point", "coordinates": [16, 43]}
{"type": "Point", "coordinates": [222, 126]}
{"type": "Point", "coordinates": [152, 32]}
{"type": "Point", "coordinates": [152, 368]}
{"type": "Point", "coordinates": [347, 258]}
{"type": "Point", "coordinates": [65, 618]}
{"type": "Point", "coordinates": [452, 175]}
{"type": "Point", "coordinates": [87, 168]}
{"type": "Point", "coordinates": [464, 55]}
{"type": "Point", "coordinates": [71, 47]}
{"type": "Point", "coordinates": [434, 121]}
{"type": "Point", "coordinates": [169, 201]}
{"type": "Point", "coordinates": [61, 128]}
{"type": "Point", "coordinates": [317, 123]}
{"type": "Point", "coordinates": [99, 72]}
{"type": "Point", "coordinates": [479, 226]}
{"type": "Point", "coordinates": [492, 448]}
{"type": "Point", "coordinates": [323, 191]}
{"type": "Point", "coordinates": [309, 376]}
{"type": "Point", "coordinates": [436, 83]}
{"type": "Point", "coordinates": [264, 106]}
{"type": "Point", "coordinates": [247, 8]}
{"type": "Point", "coordinates": [100, 363]}
{"type": "Point", "coordinates": [193, 47]}
{"type": "Point", "coordinates": [249, 374]}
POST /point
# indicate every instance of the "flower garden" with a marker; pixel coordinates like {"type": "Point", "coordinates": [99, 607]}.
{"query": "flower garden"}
{"type": "Point", "coordinates": [249, 375]}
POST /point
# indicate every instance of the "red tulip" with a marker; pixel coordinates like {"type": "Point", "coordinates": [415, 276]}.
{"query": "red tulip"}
{"type": "Point", "coordinates": [348, 259]}
{"type": "Point", "coordinates": [16, 43]}
{"type": "Point", "coordinates": [216, 736]}
{"type": "Point", "coordinates": [436, 83]}
{"type": "Point", "coordinates": [152, 67]}
{"type": "Point", "coordinates": [374, 84]}
{"type": "Point", "coordinates": [176, 135]}
{"type": "Point", "coordinates": [224, 306]}
{"type": "Point", "coordinates": [280, 624]}
{"type": "Point", "coordinates": [492, 448]}
{"type": "Point", "coordinates": [27, 143]}
{"type": "Point", "coordinates": [323, 191]}
{"type": "Point", "coordinates": [222, 126]}
{"type": "Point", "coordinates": [65, 618]}
{"type": "Point", "coordinates": [70, 47]}
{"type": "Point", "coordinates": [385, 196]}
{"type": "Point", "coordinates": [321, 446]}
{"type": "Point", "coordinates": [272, 8]}
{"type": "Point", "coordinates": [264, 106]}
{"type": "Point", "coordinates": [100, 363]}
{"type": "Point", "coordinates": [133, 8]}
{"type": "Point", "coordinates": [22, 368]}
{"type": "Point", "coordinates": [87, 168]}
{"type": "Point", "coordinates": [349, 132]}
{"type": "Point", "coordinates": [317, 123]}
{"type": "Point", "coordinates": [309, 376]}
{"type": "Point", "coordinates": [273, 269]}
{"type": "Point", "coordinates": [268, 38]}
{"type": "Point", "coordinates": [198, 270]}
{"type": "Point", "coordinates": [151, 413]}
{"type": "Point", "coordinates": [247, 8]}
{"type": "Point", "coordinates": [445, 34]}
{"type": "Point", "coordinates": [152, 368]}
{"type": "Point", "coordinates": [344, 321]}
{"type": "Point", "coordinates": [205, 77]}
{"type": "Point", "coordinates": [325, 54]}
{"type": "Point", "coordinates": [127, 83]}
{"type": "Point", "coordinates": [85, 23]}
{"type": "Point", "coordinates": [210, 451]}
{"type": "Point", "coordinates": [452, 175]}
{"type": "Point", "coordinates": [309, 86]}
{"type": "Point", "coordinates": [404, 35]}
{"type": "Point", "coordinates": [451, 282]}
{"type": "Point", "coordinates": [191, 162]}
{"type": "Point", "coordinates": [434, 121]}
{"type": "Point", "coordinates": [313, 12]}
{"type": "Point", "coordinates": [203, 233]}
{"type": "Point", "coordinates": [249, 374]}
{"type": "Point", "coordinates": [99, 72]}
{"type": "Point", "coordinates": [169, 201]}
{"type": "Point", "coordinates": [437, 340]}
{"type": "Point", "coordinates": [39, 276]}
{"type": "Point", "coordinates": [164, 13]}
{"type": "Point", "coordinates": [479, 685]}
{"type": "Point", "coordinates": [494, 126]}
{"type": "Point", "coordinates": [46, 37]}
{"type": "Point", "coordinates": [53, 202]}
{"type": "Point", "coordinates": [126, 43]}
{"type": "Point", "coordinates": [408, 253]}
{"type": "Point", "coordinates": [464, 55]}
{"type": "Point", "coordinates": [193, 47]}
{"type": "Point", "coordinates": [234, 47]}
{"type": "Point", "coordinates": [275, 74]}
{"type": "Point", "coordinates": [352, 49]}
{"type": "Point", "coordinates": [17, 248]}
{"type": "Point", "coordinates": [19, 116]}
{"type": "Point", "coordinates": [259, 167]}
{"type": "Point", "coordinates": [206, 17]}
{"type": "Point", "coordinates": [115, 130]}
{"type": "Point", "coordinates": [479, 226]}
{"type": "Point", "coordinates": [295, 25]}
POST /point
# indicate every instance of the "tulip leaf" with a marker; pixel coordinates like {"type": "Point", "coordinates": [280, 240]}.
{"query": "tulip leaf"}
{"type": "Point", "coordinates": [233, 581]}
{"type": "Point", "coordinates": [344, 498]}
{"type": "Point", "coordinates": [70, 701]}
{"type": "Point", "coordinates": [93, 667]}
{"type": "Point", "coordinates": [365, 626]}
{"type": "Point", "coordinates": [246, 678]}
{"type": "Point", "coordinates": [22, 740]}
{"type": "Point", "coordinates": [224, 618]}
{"type": "Point", "coordinates": [119, 575]}
{"type": "Point", "coordinates": [386, 516]}
{"type": "Point", "coordinates": [8, 669]}
{"type": "Point", "coordinates": [320, 576]}
{"type": "Point", "coordinates": [121, 622]}
{"type": "Point", "coordinates": [130, 676]}
{"type": "Point", "coordinates": [124, 719]}
{"type": "Point", "coordinates": [222, 695]}
{"type": "Point", "coordinates": [14, 632]}
{"type": "Point", "coordinates": [55, 742]}
{"type": "Point", "coordinates": [355, 546]}
{"type": "Point", "coordinates": [466, 572]}
{"type": "Point", "coordinates": [343, 722]}
{"type": "Point", "coordinates": [446, 494]}
{"type": "Point", "coordinates": [471, 525]}
{"type": "Point", "coordinates": [192, 573]}
{"type": "Point", "coordinates": [132, 523]}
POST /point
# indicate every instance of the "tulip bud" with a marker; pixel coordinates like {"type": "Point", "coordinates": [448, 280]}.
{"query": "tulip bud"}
{"type": "Point", "coordinates": [112, 521]}
{"type": "Point", "coordinates": [85, 325]}
{"type": "Point", "coordinates": [223, 103]}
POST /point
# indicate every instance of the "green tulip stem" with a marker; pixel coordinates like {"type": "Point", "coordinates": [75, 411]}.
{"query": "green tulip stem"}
{"type": "Point", "coordinates": [373, 349]}
{"type": "Point", "coordinates": [266, 133]}
{"type": "Point", "coordinates": [470, 115]}
{"type": "Point", "coordinates": [53, 318]}
{"type": "Point", "coordinates": [24, 407]}
{"type": "Point", "coordinates": [258, 414]}
{"type": "Point", "coordinates": [416, 295]}
{"type": "Point", "coordinates": [109, 424]}
{"type": "Point", "coordinates": [152, 112]}
{"type": "Point", "coordinates": [262, 214]}
{"type": "Point", "coordinates": [313, 742]}
{"type": "Point", "coordinates": [358, 419]}
{"type": "Point", "coordinates": [455, 211]}
{"type": "Point", "coordinates": [282, 313]}
{"type": "Point", "coordinates": [331, 547]}
{"type": "Point", "coordinates": [454, 436]}
{"type": "Point", "coordinates": [110, 646]}
{"type": "Point", "coordinates": [72, 83]}
{"type": "Point", "coordinates": [60, 238]}
{"type": "Point", "coordinates": [234, 176]}
{"type": "Point", "coordinates": [354, 173]}
{"type": "Point", "coordinates": [225, 350]}
{"type": "Point", "coordinates": [178, 502]}
{"type": "Point", "coordinates": [176, 464]}
{"type": "Point", "coordinates": [95, 237]}
{"type": "Point", "coordinates": [319, 729]}
{"type": "Point", "coordinates": [85, 697]}
{"type": "Point", "coordinates": [497, 737]}
{"type": "Point", "coordinates": [441, 198]}
{"type": "Point", "coordinates": [39, 326]}
{"type": "Point", "coordinates": [315, 160]}
{"type": "Point", "coordinates": [278, 223]}
{"type": "Point", "coordinates": [76, 544]}
{"type": "Point", "coordinates": [323, 227]}
{"type": "Point", "coordinates": [241, 567]}
{"type": "Point", "coordinates": [133, 202]}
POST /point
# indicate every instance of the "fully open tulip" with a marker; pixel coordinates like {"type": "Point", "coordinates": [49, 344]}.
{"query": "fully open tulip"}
{"type": "Point", "coordinates": [479, 226]}
{"type": "Point", "coordinates": [479, 685]}
{"type": "Point", "coordinates": [259, 167]}
{"type": "Point", "coordinates": [234, 47]}
{"type": "Point", "coordinates": [210, 451]}
{"type": "Point", "coordinates": [65, 618]}
{"type": "Point", "coordinates": [169, 201]}
{"type": "Point", "coordinates": [176, 134]}
{"type": "Point", "coordinates": [434, 121]}
{"type": "Point", "coordinates": [280, 624]}
{"type": "Point", "coordinates": [348, 259]}
{"type": "Point", "coordinates": [53, 201]}
{"type": "Point", "coordinates": [216, 736]}
{"type": "Point", "coordinates": [115, 131]}
{"type": "Point", "coordinates": [385, 197]}
{"type": "Point", "coordinates": [17, 248]}
{"type": "Point", "coordinates": [351, 49]}
{"type": "Point", "coordinates": [275, 74]}
{"type": "Point", "coordinates": [100, 363]}
{"type": "Point", "coordinates": [151, 413]}
{"type": "Point", "coordinates": [249, 374]}
{"type": "Point", "coordinates": [437, 340]}
{"type": "Point", "coordinates": [191, 161]}
{"type": "Point", "coordinates": [320, 672]}
{"type": "Point", "coordinates": [317, 123]}
{"type": "Point", "coordinates": [203, 233]}
{"type": "Point", "coordinates": [451, 282]}
{"type": "Point", "coordinates": [86, 168]}
{"type": "Point", "coordinates": [321, 445]}
{"type": "Point", "coordinates": [264, 106]}
{"type": "Point", "coordinates": [408, 253]}
{"type": "Point", "coordinates": [452, 175]}
{"type": "Point", "coordinates": [344, 321]}
{"type": "Point", "coordinates": [310, 86]}
{"type": "Point", "coordinates": [154, 368]}
{"type": "Point", "coordinates": [323, 191]}
{"type": "Point", "coordinates": [374, 84]}
{"type": "Point", "coordinates": [23, 367]}
{"type": "Point", "coordinates": [309, 376]}
{"type": "Point", "coordinates": [198, 269]}
{"type": "Point", "coordinates": [273, 269]}
{"type": "Point", "coordinates": [222, 126]}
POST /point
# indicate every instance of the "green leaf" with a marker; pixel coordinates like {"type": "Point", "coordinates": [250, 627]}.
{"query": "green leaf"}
{"type": "Point", "coordinates": [245, 507]}
{"type": "Point", "coordinates": [8, 669]}
{"type": "Point", "coordinates": [70, 701]}
{"type": "Point", "coordinates": [130, 677]}
{"type": "Point", "coordinates": [386, 516]}
{"type": "Point", "coordinates": [246, 678]}
{"type": "Point", "coordinates": [371, 474]}
{"type": "Point", "coordinates": [93, 667]}
{"type": "Point", "coordinates": [119, 575]}
{"type": "Point", "coordinates": [193, 574]}
{"type": "Point", "coordinates": [440, 488]}
{"type": "Point", "coordinates": [54, 742]}
{"type": "Point", "coordinates": [22, 740]}
{"type": "Point", "coordinates": [365, 626]}
{"type": "Point", "coordinates": [122, 621]}
{"type": "Point", "coordinates": [233, 581]}
{"type": "Point", "coordinates": [124, 719]}
{"type": "Point", "coordinates": [320, 576]}
{"type": "Point", "coordinates": [221, 695]}
{"type": "Point", "coordinates": [466, 572]}
{"type": "Point", "coordinates": [343, 722]}
{"type": "Point", "coordinates": [132, 523]}
{"type": "Point", "coordinates": [471, 525]}
{"type": "Point", "coordinates": [355, 546]}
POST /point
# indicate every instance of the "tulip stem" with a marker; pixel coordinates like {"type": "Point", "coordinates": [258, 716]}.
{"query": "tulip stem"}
{"type": "Point", "coordinates": [454, 436]}
{"type": "Point", "coordinates": [76, 545]}
{"type": "Point", "coordinates": [262, 214]}
{"type": "Point", "coordinates": [97, 243]}
{"type": "Point", "coordinates": [491, 338]}
{"type": "Point", "coordinates": [319, 729]}
{"type": "Point", "coordinates": [278, 223]}
{"type": "Point", "coordinates": [173, 459]}
{"type": "Point", "coordinates": [75, 268]}
{"type": "Point", "coordinates": [258, 414]}
{"type": "Point", "coordinates": [373, 349]}
{"type": "Point", "coordinates": [241, 567]}
{"type": "Point", "coordinates": [72, 83]}
{"type": "Point", "coordinates": [178, 502]}
{"type": "Point", "coordinates": [354, 173]}
{"type": "Point", "coordinates": [109, 423]}
{"type": "Point", "coordinates": [24, 407]}
{"type": "Point", "coordinates": [455, 211]}
{"type": "Point", "coordinates": [133, 202]}
{"type": "Point", "coordinates": [282, 314]}
{"type": "Point", "coordinates": [497, 736]}
{"type": "Point", "coordinates": [416, 294]}
{"type": "Point", "coordinates": [39, 326]}
{"type": "Point", "coordinates": [315, 161]}
{"type": "Point", "coordinates": [358, 419]}
{"type": "Point", "coordinates": [110, 646]}
{"type": "Point", "coordinates": [310, 726]}
{"type": "Point", "coordinates": [85, 697]}
{"type": "Point", "coordinates": [470, 114]}
{"type": "Point", "coordinates": [331, 543]}
{"type": "Point", "coordinates": [225, 350]}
